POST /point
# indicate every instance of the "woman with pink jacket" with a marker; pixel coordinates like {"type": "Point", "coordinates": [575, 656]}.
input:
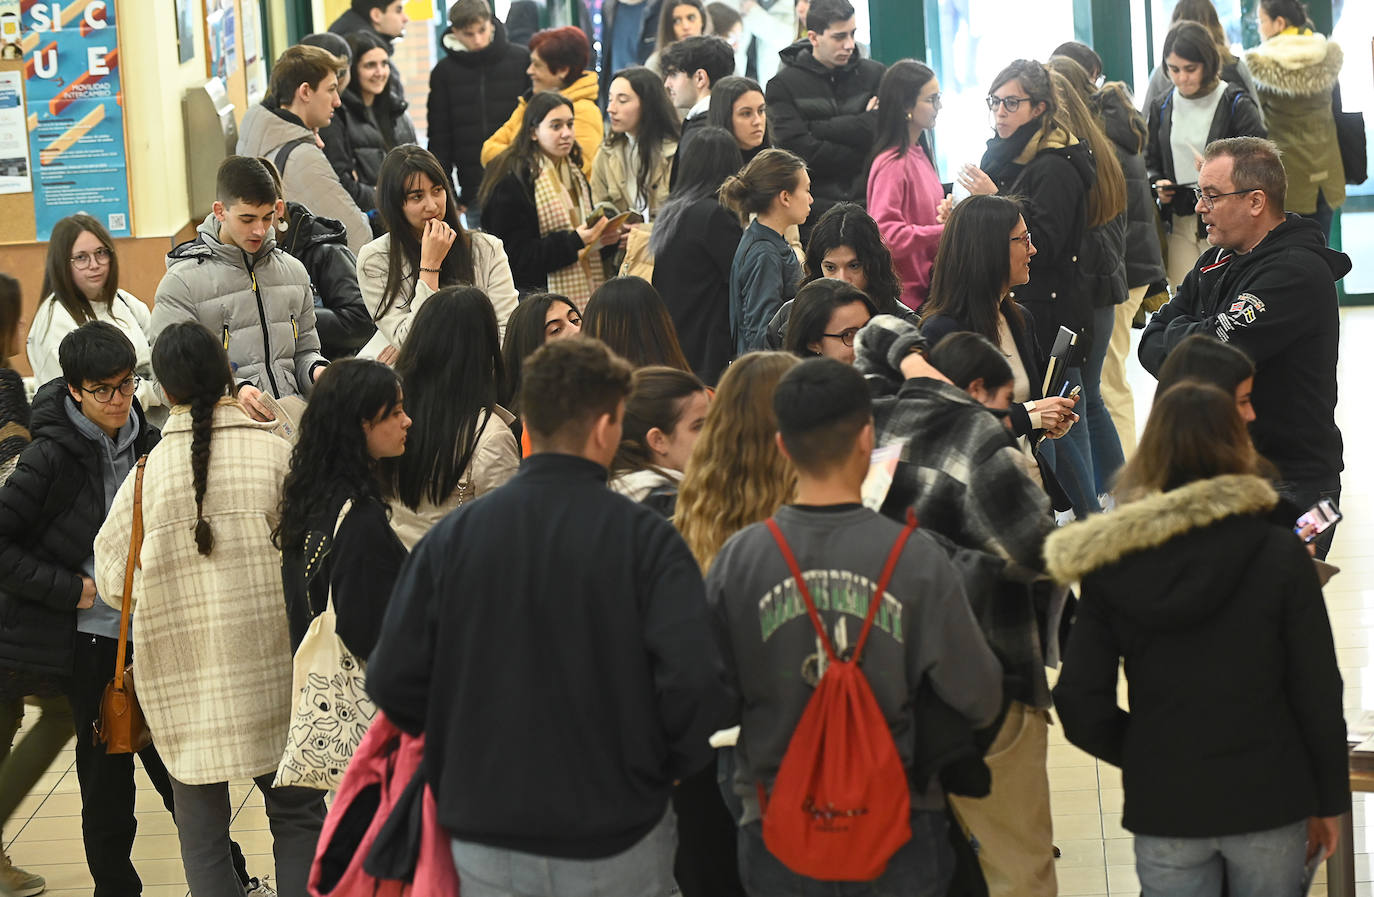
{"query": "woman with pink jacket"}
{"type": "Point", "coordinates": [905, 196]}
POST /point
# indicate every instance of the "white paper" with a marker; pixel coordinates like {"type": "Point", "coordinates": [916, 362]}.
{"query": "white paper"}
{"type": "Point", "coordinates": [14, 136]}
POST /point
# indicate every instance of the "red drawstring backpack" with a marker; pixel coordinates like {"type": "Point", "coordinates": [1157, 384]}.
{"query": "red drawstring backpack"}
{"type": "Point", "coordinates": [840, 806]}
{"type": "Point", "coordinates": [382, 836]}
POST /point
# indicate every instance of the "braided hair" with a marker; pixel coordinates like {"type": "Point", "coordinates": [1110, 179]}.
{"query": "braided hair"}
{"type": "Point", "coordinates": [193, 369]}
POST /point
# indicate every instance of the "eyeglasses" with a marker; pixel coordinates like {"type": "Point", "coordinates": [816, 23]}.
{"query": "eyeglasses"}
{"type": "Point", "coordinates": [1024, 238]}
{"type": "Point", "coordinates": [105, 392]}
{"type": "Point", "coordinates": [1209, 200]}
{"type": "Point", "coordinates": [845, 336]}
{"type": "Point", "coordinates": [1012, 103]}
{"type": "Point", "coordinates": [935, 100]}
{"type": "Point", "coordinates": [83, 260]}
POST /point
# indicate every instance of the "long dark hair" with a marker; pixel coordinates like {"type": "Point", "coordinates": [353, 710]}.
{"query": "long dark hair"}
{"type": "Point", "coordinates": [627, 314]}
{"type": "Point", "coordinates": [387, 104]}
{"type": "Point", "coordinates": [666, 36]}
{"type": "Point", "coordinates": [57, 268]}
{"type": "Point", "coordinates": [1200, 357]}
{"type": "Point", "coordinates": [657, 400]}
{"type": "Point", "coordinates": [721, 112]}
{"type": "Point", "coordinates": [973, 265]}
{"type": "Point", "coordinates": [453, 375]}
{"type": "Point", "coordinates": [1194, 432]}
{"type": "Point", "coordinates": [658, 123]}
{"type": "Point", "coordinates": [848, 224]}
{"type": "Point", "coordinates": [330, 462]}
{"type": "Point", "coordinates": [11, 309]}
{"type": "Point", "coordinates": [190, 363]}
{"type": "Point", "coordinates": [901, 85]}
{"type": "Point", "coordinates": [523, 158]}
{"type": "Point", "coordinates": [524, 334]}
{"type": "Point", "coordinates": [811, 312]}
{"type": "Point", "coordinates": [707, 157]}
{"type": "Point", "coordinates": [399, 170]}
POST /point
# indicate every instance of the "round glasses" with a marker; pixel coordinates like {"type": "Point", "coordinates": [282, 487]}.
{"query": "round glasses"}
{"type": "Point", "coordinates": [83, 260]}
{"type": "Point", "coordinates": [845, 336]}
{"type": "Point", "coordinates": [105, 392]}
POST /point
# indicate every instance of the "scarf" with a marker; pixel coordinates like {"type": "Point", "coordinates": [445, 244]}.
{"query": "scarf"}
{"type": "Point", "coordinates": [562, 209]}
{"type": "Point", "coordinates": [1005, 158]}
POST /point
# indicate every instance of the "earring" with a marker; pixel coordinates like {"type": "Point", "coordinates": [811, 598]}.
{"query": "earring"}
{"type": "Point", "coordinates": [908, 116]}
{"type": "Point", "coordinates": [282, 226]}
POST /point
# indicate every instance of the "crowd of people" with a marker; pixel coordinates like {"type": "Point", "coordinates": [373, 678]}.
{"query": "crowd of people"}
{"type": "Point", "coordinates": [759, 400]}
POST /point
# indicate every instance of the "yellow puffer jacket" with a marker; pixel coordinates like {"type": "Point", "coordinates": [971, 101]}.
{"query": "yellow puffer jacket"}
{"type": "Point", "coordinates": [587, 123]}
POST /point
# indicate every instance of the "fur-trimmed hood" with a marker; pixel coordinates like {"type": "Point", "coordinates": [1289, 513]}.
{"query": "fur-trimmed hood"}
{"type": "Point", "coordinates": [1295, 64]}
{"type": "Point", "coordinates": [1170, 558]}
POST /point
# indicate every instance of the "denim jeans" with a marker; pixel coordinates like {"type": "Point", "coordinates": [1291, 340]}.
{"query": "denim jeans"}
{"type": "Point", "coordinates": [1103, 442]}
{"type": "Point", "coordinates": [1259, 864]}
{"type": "Point", "coordinates": [1070, 457]}
{"type": "Point", "coordinates": [922, 867]}
{"type": "Point", "coordinates": [643, 870]}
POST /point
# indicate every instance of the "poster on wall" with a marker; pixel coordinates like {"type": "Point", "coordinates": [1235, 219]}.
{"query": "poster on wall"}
{"type": "Point", "coordinates": [186, 31]}
{"type": "Point", "coordinates": [14, 135]}
{"type": "Point", "coordinates": [76, 114]}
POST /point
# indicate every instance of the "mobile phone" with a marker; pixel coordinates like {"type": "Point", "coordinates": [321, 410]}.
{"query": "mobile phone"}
{"type": "Point", "coordinates": [1321, 517]}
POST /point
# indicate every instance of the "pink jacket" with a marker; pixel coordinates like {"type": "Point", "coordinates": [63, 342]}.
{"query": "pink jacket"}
{"type": "Point", "coordinates": [903, 195]}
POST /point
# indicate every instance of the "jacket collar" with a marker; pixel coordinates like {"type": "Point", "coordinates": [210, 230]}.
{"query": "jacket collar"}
{"type": "Point", "coordinates": [228, 413]}
{"type": "Point", "coordinates": [560, 467]}
{"type": "Point", "coordinates": [1080, 548]}
{"type": "Point", "coordinates": [207, 245]}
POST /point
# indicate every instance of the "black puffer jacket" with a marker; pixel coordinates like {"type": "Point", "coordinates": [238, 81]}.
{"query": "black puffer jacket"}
{"type": "Point", "coordinates": [350, 22]}
{"type": "Point", "coordinates": [321, 244]}
{"type": "Point", "coordinates": [470, 96]}
{"type": "Point", "coordinates": [356, 142]}
{"type": "Point", "coordinates": [1144, 258]}
{"type": "Point", "coordinates": [50, 510]}
{"type": "Point", "coordinates": [1053, 188]}
{"type": "Point", "coordinates": [821, 114]}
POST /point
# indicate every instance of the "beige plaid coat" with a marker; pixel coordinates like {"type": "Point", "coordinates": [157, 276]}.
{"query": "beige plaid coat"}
{"type": "Point", "coordinates": [212, 661]}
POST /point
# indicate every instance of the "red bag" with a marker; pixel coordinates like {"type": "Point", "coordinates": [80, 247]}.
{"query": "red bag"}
{"type": "Point", "coordinates": [384, 780]}
{"type": "Point", "coordinates": [840, 806]}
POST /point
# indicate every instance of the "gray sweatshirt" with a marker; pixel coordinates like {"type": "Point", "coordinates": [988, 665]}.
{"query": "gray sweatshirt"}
{"type": "Point", "coordinates": [117, 456]}
{"type": "Point", "coordinates": [924, 629]}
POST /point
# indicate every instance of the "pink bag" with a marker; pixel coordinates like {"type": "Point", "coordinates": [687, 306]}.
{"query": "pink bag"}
{"type": "Point", "coordinates": [367, 847]}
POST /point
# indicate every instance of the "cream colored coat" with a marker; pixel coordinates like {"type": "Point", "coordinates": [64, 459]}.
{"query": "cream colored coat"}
{"type": "Point", "coordinates": [495, 460]}
{"type": "Point", "coordinates": [611, 179]}
{"type": "Point", "coordinates": [214, 659]}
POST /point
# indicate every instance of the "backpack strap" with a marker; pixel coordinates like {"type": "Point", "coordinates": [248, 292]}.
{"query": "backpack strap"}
{"type": "Point", "coordinates": [884, 579]}
{"type": "Point", "coordinates": [284, 153]}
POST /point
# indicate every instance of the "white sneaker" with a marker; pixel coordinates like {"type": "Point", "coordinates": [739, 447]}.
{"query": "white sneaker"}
{"type": "Point", "coordinates": [20, 882]}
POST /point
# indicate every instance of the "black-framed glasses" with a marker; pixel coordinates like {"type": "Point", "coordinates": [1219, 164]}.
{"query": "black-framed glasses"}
{"type": "Point", "coordinates": [82, 260]}
{"type": "Point", "coordinates": [845, 336]}
{"type": "Point", "coordinates": [1012, 103]}
{"type": "Point", "coordinates": [1024, 239]}
{"type": "Point", "coordinates": [1209, 200]}
{"type": "Point", "coordinates": [105, 392]}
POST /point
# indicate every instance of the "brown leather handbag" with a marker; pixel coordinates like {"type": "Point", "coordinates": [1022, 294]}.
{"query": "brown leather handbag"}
{"type": "Point", "coordinates": [121, 726]}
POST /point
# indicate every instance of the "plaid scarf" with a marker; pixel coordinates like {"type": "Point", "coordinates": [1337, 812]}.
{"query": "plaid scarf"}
{"type": "Point", "coordinates": [562, 209]}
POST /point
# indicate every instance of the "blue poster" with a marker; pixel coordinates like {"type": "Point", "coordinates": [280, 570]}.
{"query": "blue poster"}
{"type": "Point", "coordinates": [76, 114]}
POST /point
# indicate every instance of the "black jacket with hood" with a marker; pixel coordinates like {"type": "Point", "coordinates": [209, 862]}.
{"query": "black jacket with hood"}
{"type": "Point", "coordinates": [1051, 174]}
{"type": "Point", "coordinates": [471, 94]}
{"type": "Point", "coordinates": [1144, 257]}
{"type": "Point", "coordinates": [1276, 302]}
{"type": "Point", "coordinates": [321, 244]}
{"type": "Point", "coordinates": [359, 137]}
{"type": "Point", "coordinates": [50, 510]}
{"type": "Point", "coordinates": [1235, 721]}
{"type": "Point", "coordinates": [822, 115]}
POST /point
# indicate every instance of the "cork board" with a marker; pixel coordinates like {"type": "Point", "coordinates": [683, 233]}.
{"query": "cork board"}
{"type": "Point", "coordinates": [17, 222]}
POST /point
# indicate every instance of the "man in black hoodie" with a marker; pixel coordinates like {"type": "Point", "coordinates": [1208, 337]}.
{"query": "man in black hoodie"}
{"type": "Point", "coordinates": [472, 91]}
{"type": "Point", "coordinates": [551, 640]}
{"type": "Point", "coordinates": [823, 105]}
{"type": "Point", "coordinates": [1269, 288]}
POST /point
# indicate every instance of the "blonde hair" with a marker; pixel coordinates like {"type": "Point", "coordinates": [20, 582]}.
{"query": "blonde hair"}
{"type": "Point", "coordinates": [736, 475]}
{"type": "Point", "coordinates": [1107, 196]}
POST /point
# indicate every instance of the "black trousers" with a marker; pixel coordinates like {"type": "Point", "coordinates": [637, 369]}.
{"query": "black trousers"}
{"type": "Point", "coordinates": [1306, 493]}
{"type": "Point", "coordinates": [108, 824]}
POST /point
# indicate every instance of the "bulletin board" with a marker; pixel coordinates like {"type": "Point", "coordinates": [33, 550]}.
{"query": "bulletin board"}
{"type": "Point", "coordinates": [234, 50]}
{"type": "Point", "coordinates": [73, 105]}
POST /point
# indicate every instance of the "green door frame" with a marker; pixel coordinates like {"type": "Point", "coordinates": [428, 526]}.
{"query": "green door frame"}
{"type": "Point", "coordinates": [903, 32]}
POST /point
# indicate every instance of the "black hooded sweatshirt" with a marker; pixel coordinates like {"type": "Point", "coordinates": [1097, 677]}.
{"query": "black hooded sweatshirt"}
{"type": "Point", "coordinates": [1235, 721]}
{"type": "Point", "coordinates": [321, 244]}
{"type": "Point", "coordinates": [1276, 302]}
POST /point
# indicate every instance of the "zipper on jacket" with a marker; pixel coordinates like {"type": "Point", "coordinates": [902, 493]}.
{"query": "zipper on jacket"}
{"type": "Point", "coordinates": [295, 334]}
{"type": "Point", "coordinates": [226, 337]}
{"type": "Point", "coordinates": [262, 319]}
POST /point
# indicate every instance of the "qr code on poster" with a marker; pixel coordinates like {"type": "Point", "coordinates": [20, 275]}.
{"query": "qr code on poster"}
{"type": "Point", "coordinates": [116, 221]}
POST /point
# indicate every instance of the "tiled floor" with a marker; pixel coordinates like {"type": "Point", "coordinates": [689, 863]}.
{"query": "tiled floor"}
{"type": "Point", "coordinates": [1097, 854]}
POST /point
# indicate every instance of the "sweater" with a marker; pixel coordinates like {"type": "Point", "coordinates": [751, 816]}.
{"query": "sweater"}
{"type": "Point", "coordinates": [261, 306]}
{"type": "Point", "coordinates": [1277, 303]}
{"type": "Point", "coordinates": [214, 665]}
{"type": "Point", "coordinates": [1235, 719]}
{"type": "Point", "coordinates": [923, 632]}
{"type": "Point", "coordinates": [492, 275]}
{"type": "Point", "coordinates": [904, 194]}
{"type": "Point", "coordinates": [588, 124]}
{"type": "Point", "coordinates": [559, 699]}
{"type": "Point", "coordinates": [765, 273]}
{"type": "Point", "coordinates": [470, 95]}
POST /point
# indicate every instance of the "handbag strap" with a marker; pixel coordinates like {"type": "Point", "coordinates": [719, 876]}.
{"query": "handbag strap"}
{"type": "Point", "coordinates": [338, 522]}
{"type": "Point", "coordinates": [135, 548]}
{"type": "Point", "coordinates": [888, 568]}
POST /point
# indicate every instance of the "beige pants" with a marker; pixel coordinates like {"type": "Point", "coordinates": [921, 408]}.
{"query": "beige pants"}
{"type": "Point", "coordinates": [1012, 824]}
{"type": "Point", "coordinates": [1116, 389]}
{"type": "Point", "coordinates": [1184, 248]}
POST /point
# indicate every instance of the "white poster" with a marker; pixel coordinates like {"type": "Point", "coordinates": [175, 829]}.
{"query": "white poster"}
{"type": "Point", "coordinates": [14, 135]}
{"type": "Point", "coordinates": [252, 33]}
